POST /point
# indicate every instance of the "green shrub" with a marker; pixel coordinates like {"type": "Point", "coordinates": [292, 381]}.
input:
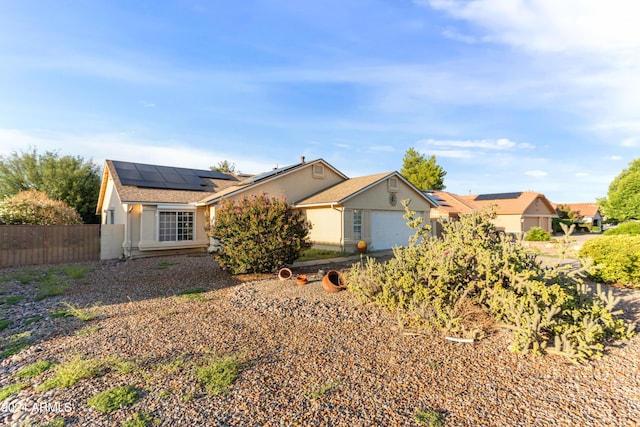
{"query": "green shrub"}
{"type": "Point", "coordinates": [631, 228]}
{"type": "Point", "coordinates": [616, 259]}
{"type": "Point", "coordinates": [33, 370]}
{"type": "Point", "coordinates": [69, 373]}
{"type": "Point", "coordinates": [219, 372]}
{"type": "Point", "coordinates": [474, 278]}
{"type": "Point", "coordinates": [140, 419]}
{"type": "Point", "coordinates": [259, 234]}
{"type": "Point", "coordinates": [428, 417]}
{"type": "Point", "coordinates": [10, 389]}
{"type": "Point", "coordinates": [555, 224]}
{"type": "Point", "coordinates": [537, 234]}
{"type": "Point", "coordinates": [114, 398]}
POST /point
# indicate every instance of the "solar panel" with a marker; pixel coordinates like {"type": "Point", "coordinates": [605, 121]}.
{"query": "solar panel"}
{"type": "Point", "coordinates": [152, 176]}
{"type": "Point", "coordinates": [267, 174]}
{"type": "Point", "coordinates": [498, 196]}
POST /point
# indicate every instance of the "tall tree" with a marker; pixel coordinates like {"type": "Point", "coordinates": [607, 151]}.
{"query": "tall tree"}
{"type": "Point", "coordinates": [69, 179]}
{"type": "Point", "coordinates": [424, 173]}
{"type": "Point", "coordinates": [623, 199]}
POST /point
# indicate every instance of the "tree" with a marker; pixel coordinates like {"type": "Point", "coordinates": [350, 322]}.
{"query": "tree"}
{"type": "Point", "coordinates": [70, 179]}
{"type": "Point", "coordinates": [424, 173]}
{"type": "Point", "coordinates": [258, 234]}
{"type": "Point", "coordinates": [35, 207]}
{"type": "Point", "coordinates": [226, 167]}
{"type": "Point", "coordinates": [623, 199]}
{"type": "Point", "coordinates": [564, 212]}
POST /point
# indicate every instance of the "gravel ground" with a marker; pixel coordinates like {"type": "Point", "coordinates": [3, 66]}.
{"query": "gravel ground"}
{"type": "Point", "coordinates": [311, 358]}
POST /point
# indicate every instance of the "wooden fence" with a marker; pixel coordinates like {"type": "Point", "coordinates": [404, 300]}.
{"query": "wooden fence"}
{"type": "Point", "coordinates": [48, 244]}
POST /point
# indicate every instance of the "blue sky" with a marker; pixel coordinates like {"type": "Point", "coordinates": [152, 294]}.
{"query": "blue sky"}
{"type": "Point", "coordinates": [539, 95]}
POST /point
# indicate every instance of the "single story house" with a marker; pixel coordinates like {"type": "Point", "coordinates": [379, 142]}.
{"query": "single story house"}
{"type": "Point", "coordinates": [589, 213]}
{"type": "Point", "coordinates": [516, 212]}
{"type": "Point", "coordinates": [150, 210]}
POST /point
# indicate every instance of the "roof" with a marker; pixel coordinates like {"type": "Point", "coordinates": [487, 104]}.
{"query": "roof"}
{"type": "Point", "coordinates": [263, 178]}
{"type": "Point", "coordinates": [450, 203]}
{"type": "Point", "coordinates": [143, 183]}
{"type": "Point", "coordinates": [583, 209]}
{"type": "Point", "coordinates": [350, 188]}
{"type": "Point", "coordinates": [512, 203]}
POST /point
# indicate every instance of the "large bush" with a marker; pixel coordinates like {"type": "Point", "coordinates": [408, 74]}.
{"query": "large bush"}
{"type": "Point", "coordinates": [259, 234]}
{"type": "Point", "coordinates": [35, 207]}
{"type": "Point", "coordinates": [474, 279]}
{"type": "Point", "coordinates": [616, 259]}
{"type": "Point", "coordinates": [631, 228]}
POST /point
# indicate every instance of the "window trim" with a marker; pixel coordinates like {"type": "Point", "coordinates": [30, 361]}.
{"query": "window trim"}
{"type": "Point", "coordinates": [319, 173]}
{"type": "Point", "coordinates": [177, 210]}
{"type": "Point", "coordinates": [357, 213]}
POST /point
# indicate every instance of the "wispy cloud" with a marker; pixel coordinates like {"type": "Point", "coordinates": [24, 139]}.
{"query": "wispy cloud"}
{"type": "Point", "coordinates": [485, 144]}
{"type": "Point", "coordinates": [536, 173]}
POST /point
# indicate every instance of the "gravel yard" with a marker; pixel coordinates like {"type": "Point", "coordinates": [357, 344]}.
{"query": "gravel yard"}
{"type": "Point", "coordinates": [309, 357]}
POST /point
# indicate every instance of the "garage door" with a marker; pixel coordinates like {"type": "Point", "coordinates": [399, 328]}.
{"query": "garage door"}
{"type": "Point", "coordinates": [389, 229]}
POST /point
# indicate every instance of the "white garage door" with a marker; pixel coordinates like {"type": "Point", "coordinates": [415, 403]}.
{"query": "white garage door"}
{"type": "Point", "coordinates": [389, 229]}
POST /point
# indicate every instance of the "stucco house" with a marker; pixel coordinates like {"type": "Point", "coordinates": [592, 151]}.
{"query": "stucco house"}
{"type": "Point", "coordinates": [589, 213]}
{"type": "Point", "coordinates": [150, 210]}
{"type": "Point", "coordinates": [516, 212]}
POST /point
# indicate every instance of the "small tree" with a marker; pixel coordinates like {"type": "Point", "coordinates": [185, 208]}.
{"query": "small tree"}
{"type": "Point", "coordinates": [424, 173]}
{"type": "Point", "coordinates": [34, 207]}
{"type": "Point", "coordinates": [259, 234]}
{"type": "Point", "coordinates": [225, 166]}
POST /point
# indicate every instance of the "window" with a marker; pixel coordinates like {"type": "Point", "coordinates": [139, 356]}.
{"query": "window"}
{"type": "Point", "coordinates": [393, 183]}
{"type": "Point", "coordinates": [175, 226]}
{"type": "Point", "coordinates": [318, 171]}
{"type": "Point", "coordinates": [357, 225]}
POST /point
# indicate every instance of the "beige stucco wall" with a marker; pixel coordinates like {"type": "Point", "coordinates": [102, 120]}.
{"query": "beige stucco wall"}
{"type": "Point", "coordinates": [111, 238]}
{"type": "Point", "coordinates": [296, 185]}
{"type": "Point", "coordinates": [332, 226]}
{"type": "Point", "coordinates": [326, 231]}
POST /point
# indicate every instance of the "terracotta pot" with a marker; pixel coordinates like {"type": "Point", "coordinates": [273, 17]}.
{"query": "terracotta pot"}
{"type": "Point", "coordinates": [301, 280]}
{"type": "Point", "coordinates": [285, 274]}
{"type": "Point", "coordinates": [333, 281]}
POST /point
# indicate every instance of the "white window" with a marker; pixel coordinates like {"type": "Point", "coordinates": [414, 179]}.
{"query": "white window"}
{"type": "Point", "coordinates": [174, 226]}
{"type": "Point", "coordinates": [357, 225]}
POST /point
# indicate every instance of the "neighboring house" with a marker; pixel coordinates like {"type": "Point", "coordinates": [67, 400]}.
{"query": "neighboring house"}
{"type": "Point", "coordinates": [589, 213]}
{"type": "Point", "coordinates": [166, 210]}
{"type": "Point", "coordinates": [516, 212]}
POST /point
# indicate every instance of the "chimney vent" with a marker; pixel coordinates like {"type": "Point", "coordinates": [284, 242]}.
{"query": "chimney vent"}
{"type": "Point", "coordinates": [302, 159]}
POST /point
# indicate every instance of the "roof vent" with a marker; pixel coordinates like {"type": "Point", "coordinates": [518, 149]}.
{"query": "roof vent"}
{"type": "Point", "coordinates": [302, 159]}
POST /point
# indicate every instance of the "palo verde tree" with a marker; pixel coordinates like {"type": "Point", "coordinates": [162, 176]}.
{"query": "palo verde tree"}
{"type": "Point", "coordinates": [69, 179]}
{"type": "Point", "coordinates": [35, 207]}
{"type": "Point", "coordinates": [424, 173]}
{"type": "Point", "coordinates": [258, 234]}
{"type": "Point", "coordinates": [623, 199]}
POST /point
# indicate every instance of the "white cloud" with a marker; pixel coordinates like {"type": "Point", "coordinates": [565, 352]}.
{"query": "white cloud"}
{"type": "Point", "coordinates": [614, 157]}
{"type": "Point", "coordinates": [502, 144]}
{"type": "Point", "coordinates": [383, 148]}
{"type": "Point", "coordinates": [536, 173]}
{"type": "Point", "coordinates": [630, 142]}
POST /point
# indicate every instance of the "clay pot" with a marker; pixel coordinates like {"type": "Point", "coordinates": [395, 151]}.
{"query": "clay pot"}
{"type": "Point", "coordinates": [301, 280]}
{"type": "Point", "coordinates": [333, 281]}
{"type": "Point", "coordinates": [285, 274]}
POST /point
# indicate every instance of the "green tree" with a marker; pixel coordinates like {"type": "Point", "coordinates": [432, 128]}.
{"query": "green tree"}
{"type": "Point", "coordinates": [564, 212]}
{"type": "Point", "coordinates": [225, 166]}
{"type": "Point", "coordinates": [258, 234]}
{"type": "Point", "coordinates": [623, 199]}
{"type": "Point", "coordinates": [70, 179]}
{"type": "Point", "coordinates": [35, 207]}
{"type": "Point", "coordinates": [424, 173]}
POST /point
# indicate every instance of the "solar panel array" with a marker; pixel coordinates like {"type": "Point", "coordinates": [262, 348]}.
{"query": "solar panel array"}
{"type": "Point", "coordinates": [267, 174]}
{"type": "Point", "coordinates": [152, 176]}
{"type": "Point", "coordinates": [498, 196]}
